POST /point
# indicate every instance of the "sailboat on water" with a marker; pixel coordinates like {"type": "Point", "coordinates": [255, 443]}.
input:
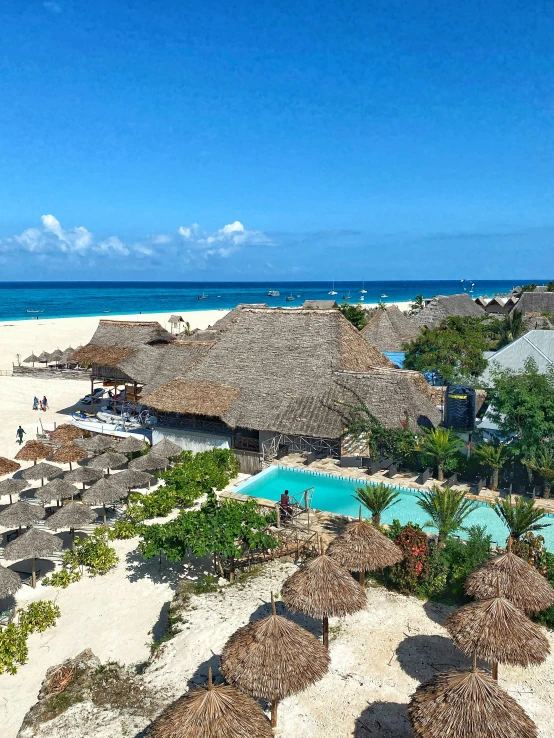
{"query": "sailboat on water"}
{"type": "Point", "coordinates": [363, 291]}
{"type": "Point", "coordinates": [333, 291]}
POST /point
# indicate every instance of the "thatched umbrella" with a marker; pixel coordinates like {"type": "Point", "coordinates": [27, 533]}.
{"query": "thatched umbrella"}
{"type": "Point", "coordinates": [102, 493]}
{"type": "Point", "coordinates": [131, 445]}
{"type": "Point", "coordinates": [131, 479]}
{"type": "Point", "coordinates": [58, 489]}
{"type": "Point", "coordinates": [97, 444]}
{"type": "Point", "coordinates": [323, 589]}
{"type": "Point", "coordinates": [460, 704]}
{"type": "Point", "coordinates": [272, 659]}
{"type": "Point", "coordinates": [33, 544]}
{"type": "Point", "coordinates": [166, 448]}
{"type": "Point", "coordinates": [66, 432]}
{"type": "Point", "coordinates": [109, 460]}
{"type": "Point", "coordinates": [7, 466]}
{"type": "Point", "coordinates": [55, 355]}
{"type": "Point", "coordinates": [495, 630]}
{"type": "Point", "coordinates": [44, 357]}
{"type": "Point", "coordinates": [68, 453]}
{"type": "Point", "coordinates": [71, 515]}
{"type": "Point", "coordinates": [20, 514]}
{"type": "Point", "coordinates": [519, 582]}
{"type": "Point", "coordinates": [31, 359]}
{"type": "Point", "coordinates": [149, 462]}
{"type": "Point", "coordinates": [219, 711]}
{"type": "Point", "coordinates": [42, 471]}
{"type": "Point", "coordinates": [33, 450]}
{"type": "Point", "coordinates": [361, 547]}
{"type": "Point", "coordinates": [12, 487]}
{"type": "Point", "coordinates": [10, 582]}
{"type": "Point", "coordinates": [83, 475]}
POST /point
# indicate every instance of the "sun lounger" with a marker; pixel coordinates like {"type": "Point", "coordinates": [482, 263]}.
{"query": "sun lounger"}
{"type": "Point", "coordinates": [452, 479]}
{"type": "Point", "coordinates": [424, 476]}
{"type": "Point", "coordinates": [351, 462]}
{"type": "Point", "coordinates": [26, 576]}
{"type": "Point", "coordinates": [392, 470]}
{"type": "Point", "coordinates": [282, 451]}
{"type": "Point", "coordinates": [310, 458]}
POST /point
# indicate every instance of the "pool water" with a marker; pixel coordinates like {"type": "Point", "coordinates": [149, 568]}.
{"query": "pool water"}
{"type": "Point", "coordinates": [335, 495]}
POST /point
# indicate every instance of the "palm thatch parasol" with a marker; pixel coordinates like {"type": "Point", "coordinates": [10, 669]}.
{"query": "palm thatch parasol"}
{"type": "Point", "coordinates": [131, 445]}
{"type": "Point", "coordinates": [109, 460]}
{"type": "Point", "coordinates": [97, 444]}
{"type": "Point", "coordinates": [495, 630]}
{"type": "Point", "coordinates": [31, 359]}
{"type": "Point", "coordinates": [518, 581]}
{"type": "Point", "coordinates": [131, 479]}
{"type": "Point", "coordinates": [42, 471]}
{"type": "Point", "coordinates": [83, 475]}
{"type": "Point", "coordinates": [33, 450]}
{"type": "Point", "coordinates": [166, 448]}
{"type": "Point", "coordinates": [216, 712]}
{"type": "Point", "coordinates": [10, 582]}
{"type": "Point", "coordinates": [323, 589]}
{"type": "Point", "coordinates": [56, 355]}
{"type": "Point", "coordinates": [149, 462]}
{"type": "Point", "coordinates": [272, 659]}
{"type": "Point", "coordinates": [102, 493]}
{"type": "Point", "coordinates": [58, 489]}
{"type": "Point", "coordinates": [20, 514]}
{"type": "Point", "coordinates": [44, 357]}
{"type": "Point", "coordinates": [33, 544]}
{"type": "Point", "coordinates": [7, 466]}
{"type": "Point", "coordinates": [71, 515]}
{"type": "Point", "coordinates": [361, 547]}
{"type": "Point", "coordinates": [468, 704]}
{"type": "Point", "coordinates": [68, 453]}
{"type": "Point", "coordinates": [12, 487]}
{"type": "Point", "coordinates": [66, 432]}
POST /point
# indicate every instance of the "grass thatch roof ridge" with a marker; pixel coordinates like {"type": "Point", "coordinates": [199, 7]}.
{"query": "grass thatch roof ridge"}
{"type": "Point", "coordinates": [535, 302]}
{"type": "Point", "coordinates": [444, 306]}
{"type": "Point", "coordinates": [389, 329]}
{"type": "Point", "coordinates": [114, 340]}
{"type": "Point", "coordinates": [21, 513]}
{"type": "Point", "coordinates": [34, 543]}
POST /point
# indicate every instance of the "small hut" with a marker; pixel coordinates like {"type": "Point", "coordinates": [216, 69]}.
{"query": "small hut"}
{"type": "Point", "coordinates": [33, 450]}
{"type": "Point", "coordinates": [272, 659]}
{"type": "Point", "coordinates": [174, 322]}
{"type": "Point", "coordinates": [33, 544]}
{"type": "Point", "coordinates": [42, 471]}
{"type": "Point", "coordinates": [20, 514]}
{"type": "Point", "coordinates": [65, 433]}
{"type": "Point", "coordinates": [107, 461]}
{"type": "Point", "coordinates": [102, 493]}
{"type": "Point", "coordinates": [323, 589]}
{"type": "Point", "coordinates": [219, 711]}
{"type": "Point", "coordinates": [468, 704]}
{"type": "Point", "coordinates": [10, 582]}
{"type": "Point", "coordinates": [71, 515]}
{"type": "Point", "coordinates": [68, 453]}
{"type": "Point", "coordinates": [166, 448]}
{"type": "Point", "coordinates": [12, 487]}
{"type": "Point", "coordinates": [58, 489]}
{"type": "Point", "coordinates": [83, 475]}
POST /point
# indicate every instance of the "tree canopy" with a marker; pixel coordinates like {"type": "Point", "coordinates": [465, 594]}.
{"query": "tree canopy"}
{"type": "Point", "coordinates": [355, 314]}
{"type": "Point", "coordinates": [453, 350]}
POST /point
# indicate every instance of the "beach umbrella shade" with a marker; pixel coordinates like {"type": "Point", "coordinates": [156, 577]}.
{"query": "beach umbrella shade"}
{"type": "Point", "coordinates": [361, 547]}
{"type": "Point", "coordinates": [131, 445]}
{"type": "Point", "coordinates": [323, 589]}
{"type": "Point", "coordinates": [31, 359]}
{"type": "Point", "coordinates": [97, 444]}
{"type": "Point", "coordinates": [20, 514]}
{"type": "Point", "coordinates": [68, 453]}
{"type": "Point", "coordinates": [109, 460]}
{"type": "Point", "coordinates": [55, 355]}
{"type": "Point", "coordinates": [33, 544]}
{"type": "Point", "coordinates": [42, 471]}
{"type": "Point", "coordinates": [58, 489]}
{"type": "Point", "coordinates": [470, 704]}
{"type": "Point", "coordinates": [65, 433]}
{"type": "Point", "coordinates": [83, 475]}
{"type": "Point", "coordinates": [44, 357]}
{"type": "Point", "coordinates": [495, 630]}
{"type": "Point", "coordinates": [71, 515]}
{"type": "Point", "coordinates": [149, 462]}
{"type": "Point", "coordinates": [12, 487]}
{"type": "Point", "coordinates": [166, 448]}
{"type": "Point", "coordinates": [102, 492]}
{"type": "Point", "coordinates": [7, 466]}
{"type": "Point", "coordinates": [272, 659]}
{"type": "Point", "coordinates": [131, 479]}
{"type": "Point", "coordinates": [220, 711]}
{"type": "Point", "coordinates": [514, 579]}
{"type": "Point", "coordinates": [33, 450]}
{"type": "Point", "coordinates": [10, 582]}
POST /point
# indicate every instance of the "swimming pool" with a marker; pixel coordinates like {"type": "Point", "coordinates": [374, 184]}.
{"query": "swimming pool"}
{"type": "Point", "coordinates": [334, 494]}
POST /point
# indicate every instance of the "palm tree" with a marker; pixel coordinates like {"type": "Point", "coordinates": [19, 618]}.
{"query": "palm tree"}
{"type": "Point", "coordinates": [447, 508]}
{"type": "Point", "coordinates": [521, 518]}
{"type": "Point", "coordinates": [512, 327]}
{"type": "Point", "coordinates": [543, 463]}
{"type": "Point", "coordinates": [494, 456]}
{"type": "Point", "coordinates": [377, 498]}
{"type": "Point", "coordinates": [440, 444]}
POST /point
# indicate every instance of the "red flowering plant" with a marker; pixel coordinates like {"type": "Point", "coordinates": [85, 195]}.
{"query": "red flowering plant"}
{"type": "Point", "coordinates": [413, 569]}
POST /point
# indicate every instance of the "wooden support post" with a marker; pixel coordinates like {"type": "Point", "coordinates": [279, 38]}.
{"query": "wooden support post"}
{"type": "Point", "coordinates": [274, 704]}
{"type": "Point", "coordinates": [326, 631]}
{"type": "Point", "coordinates": [278, 513]}
{"type": "Point", "coordinates": [34, 574]}
{"type": "Point", "coordinates": [495, 671]}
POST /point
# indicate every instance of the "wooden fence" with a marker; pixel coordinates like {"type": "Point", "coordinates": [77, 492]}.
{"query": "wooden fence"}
{"type": "Point", "coordinates": [250, 462]}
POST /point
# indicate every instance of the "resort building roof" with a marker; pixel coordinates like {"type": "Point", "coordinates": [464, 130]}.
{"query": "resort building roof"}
{"type": "Point", "coordinates": [320, 304]}
{"type": "Point", "coordinates": [115, 340]}
{"type": "Point", "coordinates": [536, 345]}
{"type": "Point", "coordinates": [442, 307]}
{"type": "Point", "coordinates": [389, 329]}
{"type": "Point", "coordinates": [535, 302]}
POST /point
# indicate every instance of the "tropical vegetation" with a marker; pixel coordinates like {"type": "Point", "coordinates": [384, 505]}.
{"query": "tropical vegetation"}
{"type": "Point", "coordinates": [377, 498]}
{"type": "Point", "coordinates": [522, 518]}
{"type": "Point", "coordinates": [355, 314]}
{"type": "Point", "coordinates": [447, 509]}
{"type": "Point", "coordinates": [439, 446]}
{"type": "Point", "coordinates": [35, 618]}
{"type": "Point", "coordinates": [494, 456]}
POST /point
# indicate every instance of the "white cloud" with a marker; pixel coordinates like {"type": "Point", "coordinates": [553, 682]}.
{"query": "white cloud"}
{"type": "Point", "coordinates": [113, 244]}
{"type": "Point", "coordinates": [75, 240]}
{"type": "Point", "coordinates": [223, 242]}
{"type": "Point", "coordinates": [189, 232]}
{"type": "Point", "coordinates": [161, 239]}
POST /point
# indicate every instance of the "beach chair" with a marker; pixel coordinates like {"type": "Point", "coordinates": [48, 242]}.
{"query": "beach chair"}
{"type": "Point", "coordinates": [424, 476]}
{"type": "Point", "coordinates": [282, 451]}
{"type": "Point", "coordinates": [310, 458]}
{"type": "Point", "coordinates": [452, 479]}
{"type": "Point", "coordinates": [392, 470]}
{"type": "Point", "coordinates": [350, 462]}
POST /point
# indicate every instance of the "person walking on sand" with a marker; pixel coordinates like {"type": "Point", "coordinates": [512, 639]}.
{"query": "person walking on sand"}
{"type": "Point", "coordinates": [44, 403]}
{"type": "Point", "coordinates": [20, 433]}
{"type": "Point", "coordinates": [35, 403]}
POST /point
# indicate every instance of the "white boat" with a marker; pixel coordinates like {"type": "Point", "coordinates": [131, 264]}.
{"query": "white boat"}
{"type": "Point", "coordinates": [273, 293]}
{"type": "Point", "coordinates": [382, 296]}
{"type": "Point", "coordinates": [347, 297]}
{"type": "Point", "coordinates": [290, 298]}
{"type": "Point", "coordinates": [333, 291]}
{"type": "Point", "coordinates": [202, 297]}
{"type": "Point", "coordinates": [362, 298]}
{"type": "Point", "coordinates": [363, 291]}
{"type": "Point", "coordinates": [95, 426]}
{"type": "Point", "coordinates": [34, 311]}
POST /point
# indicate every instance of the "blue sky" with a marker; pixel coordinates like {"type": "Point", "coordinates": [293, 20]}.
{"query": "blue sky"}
{"type": "Point", "coordinates": [305, 138]}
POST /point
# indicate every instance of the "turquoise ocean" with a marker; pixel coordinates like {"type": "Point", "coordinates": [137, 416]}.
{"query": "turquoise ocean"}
{"type": "Point", "coordinates": [74, 299]}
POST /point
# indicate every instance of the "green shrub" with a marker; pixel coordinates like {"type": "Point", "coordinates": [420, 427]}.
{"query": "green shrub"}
{"type": "Point", "coordinates": [123, 529]}
{"type": "Point", "coordinates": [62, 578]}
{"type": "Point", "coordinates": [38, 616]}
{"type": "Point", "coordinates": [412, 570]}
{"type": "Point", "coordinates": [92, 553]}
{"type": "Point", "coordinates": [35, 618]}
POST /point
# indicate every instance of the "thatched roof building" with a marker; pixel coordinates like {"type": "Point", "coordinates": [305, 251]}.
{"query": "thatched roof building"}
{"type": "Point", "coordinates": [535, 303]}
{"type": "Point", "coordinates": [390, 329]}
{"type": "Point", "coordinates": [442, 307]}
{"type": "Point", "coordinates": [114, 340]}
{"type": "Point", "coordinates": [320, 304]}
